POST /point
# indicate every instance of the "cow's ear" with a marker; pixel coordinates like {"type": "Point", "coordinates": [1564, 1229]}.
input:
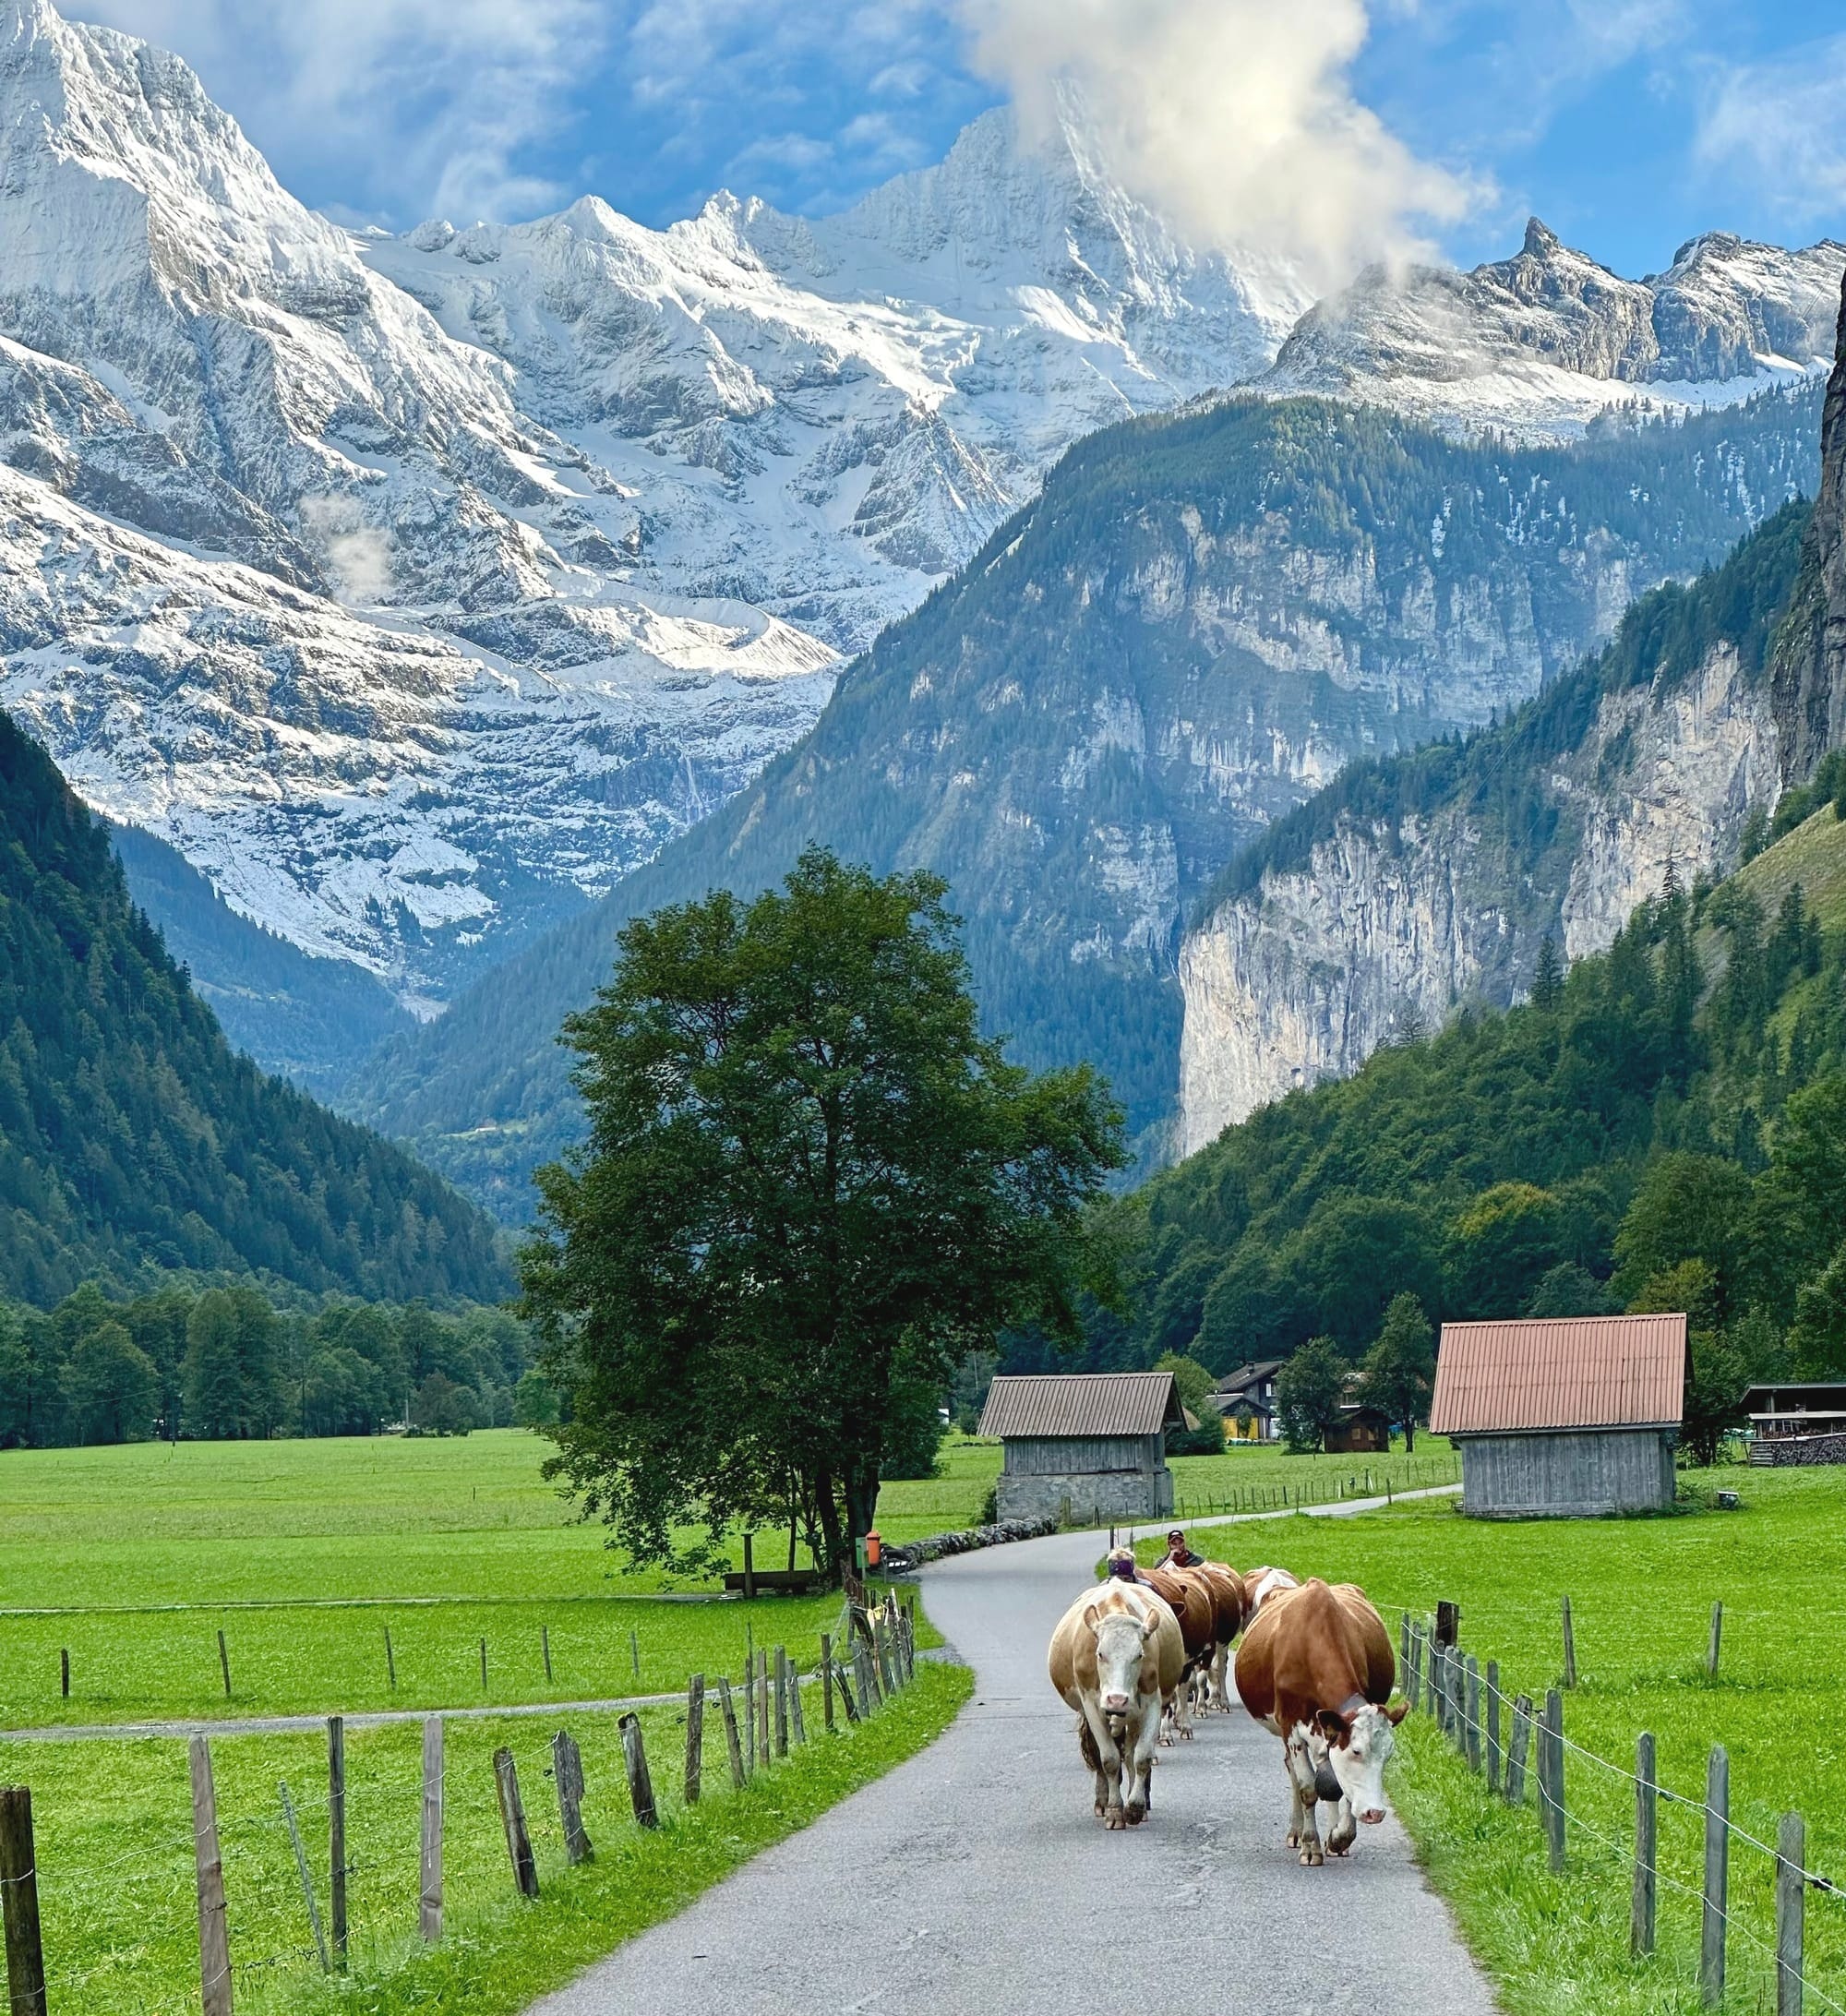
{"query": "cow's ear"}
{"type": "Point", "coordinates": [1335, 1728]}
{"type": "Point", "coordinates": [1091, 1614]}
{"type": "Point", "coordinates": [1394, 1711]}
{"type": "Point", "coordinates": [1150, 1624]}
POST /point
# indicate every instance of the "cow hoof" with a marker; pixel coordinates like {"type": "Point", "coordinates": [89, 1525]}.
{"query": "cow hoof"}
{"type": "Point", "coordinates": [1291, 1841]}
{"type": "Point", "coordinates": [1137, 1813]}
{"type": "Point", "coordinates": [1312, 1858]}
{"type": "Point", "coordinates": [1114, 1821]}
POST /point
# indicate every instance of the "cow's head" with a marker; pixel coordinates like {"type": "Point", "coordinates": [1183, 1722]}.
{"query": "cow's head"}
{"type": "Point", "coordinates": [1359, 1742]}
{"type": "Point", "coordinates": [1120, 1640]}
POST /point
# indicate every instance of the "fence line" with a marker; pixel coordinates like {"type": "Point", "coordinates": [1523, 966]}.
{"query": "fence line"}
{"type": "Point", "coordinates": [881, 1633]}
{"type": "Point", "coordinates": [1457, 1716]}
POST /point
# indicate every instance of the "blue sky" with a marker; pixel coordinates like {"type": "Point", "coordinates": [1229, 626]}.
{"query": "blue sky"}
{"type": "Point", "coordinates": [1628, 124]}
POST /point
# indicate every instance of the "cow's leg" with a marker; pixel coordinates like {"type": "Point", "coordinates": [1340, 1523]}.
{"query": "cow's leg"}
{"type": "Point", "coordinates": [1345, 1828]}
{"type": "Point", "coordinates": [1183, 1708]}
{"type": "Point", "coordinates": [1099, 1750]}
{"type": "Point", "coordinates": [1303, 1780]}
{"type": "Point", "coordinates": [1140, 1763]}
{"type": "Point", "coordinates": [1220, 1666]}
{"type": "Point", "coordinates": [1170, 1717]}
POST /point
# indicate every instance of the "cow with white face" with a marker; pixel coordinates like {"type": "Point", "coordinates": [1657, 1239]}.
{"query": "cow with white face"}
{"type": "Point", "coordinates": [1115, 1656]}
{"type": "Point", "coordinates": [1316, 1668]}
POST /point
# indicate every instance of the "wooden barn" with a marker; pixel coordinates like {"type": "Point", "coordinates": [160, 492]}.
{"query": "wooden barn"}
{"type": "Point", "coordinates": [1560, 1417]}
{"type": "Point", "coordinates": [1088, 1446]}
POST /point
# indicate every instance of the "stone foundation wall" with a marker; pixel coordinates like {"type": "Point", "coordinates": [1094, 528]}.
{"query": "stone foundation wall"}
{"type": "Point", "coordinates": [1085, 1497]}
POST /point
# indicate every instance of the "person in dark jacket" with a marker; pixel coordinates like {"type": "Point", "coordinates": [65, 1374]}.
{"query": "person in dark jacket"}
{"type": "Point", "coordinates": [1179, 1555]}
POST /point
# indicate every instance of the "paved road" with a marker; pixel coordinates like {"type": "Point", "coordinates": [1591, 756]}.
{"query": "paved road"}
{"type": "Point", "coordinates": [976, 1881]}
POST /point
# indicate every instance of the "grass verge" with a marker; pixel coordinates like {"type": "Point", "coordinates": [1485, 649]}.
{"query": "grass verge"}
{"type": "Point", "coordinates": [113, 1845]}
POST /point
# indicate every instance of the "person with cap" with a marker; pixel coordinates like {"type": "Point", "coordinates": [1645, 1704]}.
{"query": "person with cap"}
{"type": "Point", "coordinates": [1179, 1555]}
{"type": "Point", "coordinates": [1122, 1566]}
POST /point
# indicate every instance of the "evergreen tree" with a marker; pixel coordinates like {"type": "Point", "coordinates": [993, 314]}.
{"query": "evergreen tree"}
{"type": "Point", "coordinates": [1548, 977]}
{"type": "Point", "coordinates": [214, 1372]}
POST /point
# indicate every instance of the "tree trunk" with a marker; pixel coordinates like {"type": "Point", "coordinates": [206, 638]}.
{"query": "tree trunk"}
{"type": "Point", "coordinates": [1410, 1434]}
{"type": "Point", "coordinates": [827, 1509]}
{"type": "Point", "coordinates": [861, 1498]}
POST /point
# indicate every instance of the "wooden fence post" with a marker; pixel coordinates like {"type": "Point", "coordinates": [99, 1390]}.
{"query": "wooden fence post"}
{"type": "Point", "coordinates": [827, 1681]}
{"type": "Point", "coordinates": [1492, 1726]}
{"type": "Point", "coordinates": [545, 1646]}
{"type": "Point", "coordinates": [781, 1702]}
{"type": "Point", "coordinates": [484, 1665]}
{"type": "Point", "coordinates": [224, 1663]}
{"type": "Point", "coordinates": [1404, 1642]}
{"type": "Point", "coordinates": [1516, 1750]}
{"type": "Point", "coordinates": [512, 1817]}
{"type": "Point", "coordinates": [214, 1944]}
{"type": "Point", "coordinates": [1790, 1912]}
{"type": "Point", "coordinates": [429, 1873]}
{"type": "Point", "coordinates": [63, 1673]}
{"type": "Point", "coordinates": [567, 1768]}
{"type": "Point", "coordinates": [1413, 1663]}
{"type": "Point", "coordinates": [1471, 1729]}
{"type": "Point", "coordinates": [1716, 1640]}
{"type": "Point", "coordinates": [846, 1685]}
{"type": "Point", "coordinates": [1449, 1625]}
{"type": "Point", "coordinates": [391, 1661]}
{"type": "Point", "coordinates": [336, 1832]}
{"type": "Point", "coordinates": [634, 1650]}
{"type": "Point", "coordinates": [695, 1737]}
{"type": "Point", "coordinates": [763, 1698]}
{"type": "Point", "coordinates": [307, 1877]}
{"type": "Point", "coordinates": [1716, 1902]}
{"type": "Point", "coordinates": [20, 1893]}
{"type": "Point", "coordinates": [750, 1709]}
{"type": "Point", "coordinates": [727, 1709]}
{"type": "Point", "coordinates": [794, 1704]}
{"type": "Point", "coordinates": [634, 1758]}
{"type": "Point", "coordinates": [1551, 1784]}
{"type": "Point", "coordinates": [1646, 1848]}
{"type": "Point", "coordinates": [1569, 1648]}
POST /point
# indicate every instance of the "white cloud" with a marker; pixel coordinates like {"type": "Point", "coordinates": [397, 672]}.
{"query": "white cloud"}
{"type": "Point", "coordinates": [1778, 125]}
{"type": "Point", "coordinates": [358, 556]}
{"type": "Point", "coordinates": [437, 98]}
{"type": "Point", "coordinates": [1236, 118]}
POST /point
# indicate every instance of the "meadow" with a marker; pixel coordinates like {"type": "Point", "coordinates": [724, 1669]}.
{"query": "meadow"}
{"type": "Point", "coordinates": [1641, 1592]}
{"type": "Point", "coordinates": [303, 1554]}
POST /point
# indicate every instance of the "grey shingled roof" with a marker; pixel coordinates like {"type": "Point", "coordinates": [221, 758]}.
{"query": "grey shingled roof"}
{"type": "Point", "coordinates": [1022, 1407]}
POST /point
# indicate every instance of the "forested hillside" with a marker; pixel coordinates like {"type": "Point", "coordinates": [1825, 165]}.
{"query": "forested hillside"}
{"type": "Point", "coordinates": [131, 1138]}
{"type": "Point", "coordinates": [1201, 620]}
{"type": "Point", "coordinates": [303, 1017]}
{"type": "Point", "coordinates": [1664, 1125]}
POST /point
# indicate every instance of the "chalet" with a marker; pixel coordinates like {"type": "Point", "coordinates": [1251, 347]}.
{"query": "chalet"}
{"type": "Point", "coordinates": [1250, 1391]}
{"type": "Point", "coordinates": [1089, 1448]}
{"type": "Point", "coordinates": [1567, 1417]}
{"type": "Point", "coordinates": [1362, 1431]}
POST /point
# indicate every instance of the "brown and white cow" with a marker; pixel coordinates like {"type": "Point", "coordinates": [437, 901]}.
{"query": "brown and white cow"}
{"type": "Point", "coordinates": [1190, 1597]}
{"type": "Point", "coordinates": [1227, 1588]}
{"type": "Point", "coordinates": [1317, 1669]}
{"type": "Point", "coordinates": [1259, 1585]}
{"type": "Point", "coordinates": [1116, 1657]}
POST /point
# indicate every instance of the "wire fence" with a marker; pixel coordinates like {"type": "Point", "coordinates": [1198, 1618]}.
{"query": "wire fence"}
{"type": "Point", "coordinates": [263, 1891]}
{"type": "Point", "coordinates": [1493, 1728]}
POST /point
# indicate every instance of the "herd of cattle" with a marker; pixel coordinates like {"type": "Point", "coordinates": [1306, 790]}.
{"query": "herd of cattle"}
{"type": "Point", "coordinates": [1140, 1656]}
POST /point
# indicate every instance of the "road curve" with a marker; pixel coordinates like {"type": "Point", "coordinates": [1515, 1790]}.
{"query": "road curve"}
{"type": "Point", "coordinates": [976, 1881]}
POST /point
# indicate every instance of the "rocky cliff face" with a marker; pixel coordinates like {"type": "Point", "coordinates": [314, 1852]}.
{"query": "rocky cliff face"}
{"type": "Point", "coordinates": [1385, 925]}
{"type": "Point", "coordinates": [1810, 661]}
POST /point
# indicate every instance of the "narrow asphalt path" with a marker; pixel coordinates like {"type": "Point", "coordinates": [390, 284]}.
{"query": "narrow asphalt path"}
{"type": "Point", "coordinates": [976, 1881]}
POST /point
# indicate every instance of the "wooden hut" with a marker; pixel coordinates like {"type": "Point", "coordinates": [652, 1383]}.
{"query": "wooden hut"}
{"type": "Point", "coordinates": [1797, 1424]}
{"type": "Point", "coordinates": [1089, 1447]}
{"type": "Point", "coordinates": [1362, 1430]}
{"type": "Point", "coordinates": [1569, 1417]}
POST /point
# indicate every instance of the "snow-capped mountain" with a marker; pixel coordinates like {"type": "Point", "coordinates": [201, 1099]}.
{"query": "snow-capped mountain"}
{"type": "Point", "coordinates": [417, 589]}
{"type": "Point", "coordinates": [825, 416]}
{"type": "Point", "coordinates": [1541, 343]}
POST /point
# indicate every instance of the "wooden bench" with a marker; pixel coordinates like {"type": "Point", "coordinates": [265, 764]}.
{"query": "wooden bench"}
{"type": "Point", "coordinates": [781, 1581]}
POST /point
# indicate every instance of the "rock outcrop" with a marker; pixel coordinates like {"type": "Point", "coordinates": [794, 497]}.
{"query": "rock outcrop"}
{"type": "Point", "coordinates": [1810, 661]}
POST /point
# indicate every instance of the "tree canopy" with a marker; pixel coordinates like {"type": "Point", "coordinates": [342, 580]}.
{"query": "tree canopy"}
{"type": "Point", "coordinates": [810, 1188]}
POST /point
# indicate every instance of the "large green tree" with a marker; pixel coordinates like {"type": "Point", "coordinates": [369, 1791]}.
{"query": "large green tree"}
{"type": "Point", "coordinates": [1399, 1370]}
{"type": "Point", "coordinates": [810, 1181]}
{"type": "Point", "coordinates": [1309, 1390]}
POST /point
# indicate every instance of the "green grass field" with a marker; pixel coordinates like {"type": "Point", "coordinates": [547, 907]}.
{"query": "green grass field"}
{"type": "Point", "coordinates": [305, 1554]}
{"type": "Point", "coordinates": [1641, 1593]}
{"type": "Point", "coordinates": [114, 1842]}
